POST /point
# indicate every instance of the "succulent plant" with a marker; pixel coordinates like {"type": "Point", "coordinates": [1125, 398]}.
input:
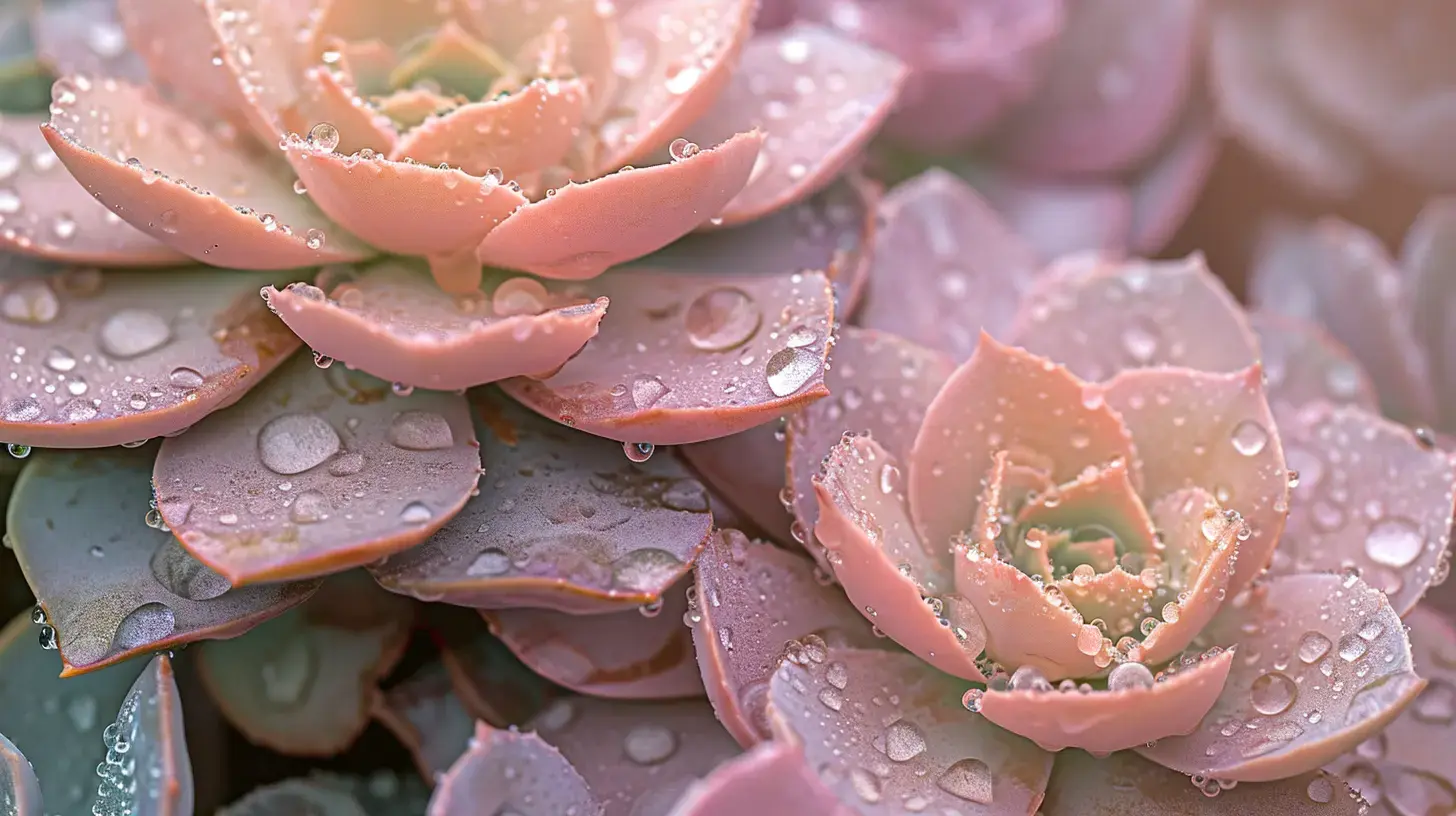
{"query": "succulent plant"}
{"type": "Point", "coordinates": [341, 338]}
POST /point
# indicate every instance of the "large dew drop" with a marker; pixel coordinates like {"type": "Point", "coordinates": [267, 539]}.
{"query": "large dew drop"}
{"type": "Point", "coordinates": [722, 318]}
{"type": "Point", "coordinates": [294, 443]}
{"type": "Point", "coordinates": [790, 369]}
{"type": "Point", "coordinates": [133, 332]}
{"type": "Point", "coordinates": [649, 744]}
{"type": "Point", "coordinates": [420, 431]}
{"type": "Point", "coordinates": [1394, 542]}
{"type": "Point", "coordinates": [968, 779]}
{"type": "Point", "coordinates": [1272, 693]}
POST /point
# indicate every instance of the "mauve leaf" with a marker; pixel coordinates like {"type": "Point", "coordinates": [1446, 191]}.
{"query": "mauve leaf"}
{"type": "Point", "coordinates": [770, 779]}
{"type": "Point", "coordinates": [1302, 364]}
{"type": "Point", "coordinates": [746, 470]}
{"type": "Point", "coordinates": [302, 683]}
{"type": "Point", "coordinates": [147, 771]}
{"type": "Point", "coordinates": [492, 684]}
{"type": "Point", "coordinates": [19, 789]}
{"type": "Point", "coordinates": [1426, 258]}
{"type": "Point", "coordinates": [643, 653]}
{"type": "Point", "coordinates": [324, 794]}
{"type": "Point", "coordinates": [113, 587]}
{"type": "Point", "coordinates": [424, 713]}
{"type": "Point", "coordinates": [511, 772]}
{"type": "Point", "coordinates": [118, 357]}
{"type": "Point", "coordinates": [1058, 217]}
{"type": "Point", "coordinates": [563, 521]}
{"type": "Point", "coordinates": [316, 472]}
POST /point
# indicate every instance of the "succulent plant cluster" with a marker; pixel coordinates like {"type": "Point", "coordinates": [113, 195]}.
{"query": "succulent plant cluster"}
{"type": "Point", "coordinates": [713, 407]}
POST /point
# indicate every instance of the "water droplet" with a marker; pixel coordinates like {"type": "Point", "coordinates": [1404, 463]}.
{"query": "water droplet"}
{"type": "Point", "coordinates": [1089, 639]}
{"type": "Point", "coordinates": [59, 359]}
{"type": "Point", "coordinates": [133, 332]}
{"type": "Point", "coordinates": [1313, 646]}
{"type": "Point", "coordinates": [323, 137]}
{"type": "Point", "coordinates": [420, 431]}
{"type": "Point", "coordinates": [1352, 648]}
{"type": "Point", "coordinates": [1436, 704]}
{"type": "Point", "coordinates": [721, 318]}
{"type": "Point", "coordinates": [682, 149]}
{"type": "Point", "coordinates": [415, 513]}
{"type": "Point", "coordinates": [647, 391]}
{"type": "Point", "coordinates": [968, 779]}
{"type": "Point", "coordinates": [790, 369]}
{"type": "Point", "coordinates": [682, 77]}
{"type": "Point", "coordinates": [47, 638]}
{"type": "Point", "coordinates": [646, 570]}
{"type": "Point", "coordinates": [649, 744]}
{"type": "Point", "coordinates": [1129, 675]}
{"type": "Point", "coordinates": [309, 507]}
{"type": "Point", "coordinates": [903, 741]}
{"type": "Point", "coordinates": [145, 625]}
{"type": "Point", "coordinates": [1320, 790]}
{"type": "Point", "coordinates": [638, 451]}
{"type": "Point", "coordinates": [1140, 341]}
{"type": "Point", "coordinates": [865, 784]}
{"type": "Point", "coordinates": [29, 301]}
{"type": "Point", "coordinates": [294, 443]}
{"type": "Point", "coordinates": [889, 479]}
{"type": "Point", "coordinates": [314, 238]}
{"type": "Point", "coordinates": [1272, 693]}
{"type": "Point", "coordinates": [183, 377]}
{"type": "Point", "coordinates": [1249, 437]}
{"type": "Point", "coordinates": [1394, 542]}
{"type": "Point", "coordinates": [299, 187]}
{"type": "Point", "coordinates": [519, 296]}
{"type": "Point", "coordinates": [17, 450]}
{"type": "Point", "coordinates": [491, 561]}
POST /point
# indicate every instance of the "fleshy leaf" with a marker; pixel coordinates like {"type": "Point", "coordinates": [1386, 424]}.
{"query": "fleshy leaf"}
{"type": "Point", "coordinates": [1058, 217]}
{"type": "Point", "coordinates": [563, 521]}
{"type": "Point", "coordinates": [746, 469]}
{"type": "Point", "coordinates": [113, 587]}
{"type": "Point", "coordinates": [423, 713]}
{"type": "Point", "coordinates": [810, 136]}
{"type": "Point", "coordinates": [507, 771]}
{"type": "Point", "coordinates": [176, 38]}
{"type": "Point", "coordinates": [396, 324]}
{"type": "Point", "coordinates": [136, 155]}
{"type": "Point", "coordinates": [1214, 431]}
{"type": "Point", "coordinates": [1425, 257]}
{"type": "Point", "coordinates": [335, 471]}
{"type": "Point", "coordinates": [19, 789]}
{"type": "Point", "coordinates": [118, 357]}
{"type": "Point", "coordinates": [643, 653]}
{"type": "Point", "coordinates": [1201, 548]}
{"type": "Point", "coordinates": [1111, 720]}
{"type": "Point", "coordinates": [691, 357]}
{"type": "Point", "coordinates": [945, 265]}
{"type": "Point", "coordinates": [302, 683]}
{"type": "Point", "coordinates": [1303, 364]}
{"type": "Point", "coordinates": [1168, 186]}
{"type": "Point", "coordinates": [1371, 495]}
{"type": "Point", "coordinates": [1083, 301]}
{"type": "Point", "coordinates": [147, 770]}
{"type": "Point", "coordinates": [1126, 783]}
{"type": "Point", "coordinates": [84, 37]}
{"type": "Point", "coordinates": [1324, 664]}
{"type": "Point", "coordinates": [887, 572]}
{"type": "Point", "coordinates": [770, 779]}
{"type": "Point", "coordinates": [751, 603]}
{"type": "Point", "coordinates": [491, 683]}
{"type": "Point", "coordinates": [638, 757]}
{"type": "Point", "coordinates": [320, 794]}
{"type": "Point", "coordinates": [55, 217]}
{"type": "Point", "coordinates": [850, 710]}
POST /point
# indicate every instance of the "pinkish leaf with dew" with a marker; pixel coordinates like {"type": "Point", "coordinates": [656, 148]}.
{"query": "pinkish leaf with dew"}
{"type": "Point", "coordinates": [1201, 545]}
{"type": "Point", "coordinates": [673, 59]}
{"type": "Point", "coordinates": [1099, 316]}
{"type": "Point", "coordinates": [392, 321]}
{"type": "Point", "coordinates": [751, 603]}
{"type": "Point", "coordinates": [302, 683]}
{"type": "Point", "coordinates": [644, 653]}
{"type": "Point", "coordinates": [692, 357]}
{"type": "Point", "coordinates": [1372, 495]}
{"type": "Point", "coordinates": [84, 37]}
{"type": "Point", "coordinates": [1118, 79]}
{"type": "Point", "coordinates": [1168, 185]}
{"type": "Point", "coordinates": [332, 96]}
{"type": "Point", "coordinates": [383, 793]}
{"type": "Point", "coordinates": [638, 757]}
{"type": "Point", "coordinates": [1404, 766]}
{"type": "Point", "coordinates": [19, 789]}
{"type": "Point", "coordinates": [120, 357]}
{"type": "Point", "coordinates": [945, 265]}
{"type": "Point", "coordinates": [424, 714]}
{"type": "Point", "coordinates": [175, 38]}
{"type": "Point", "coordinates": [1426, 255]}
{"type": "Point", "coordinates": [969, 61]}
{"type": "Point", "coordinates": [1303, 364]}
{"type": "Point", "coordinates": [244, 213]}
{"type": "Point", "coordinates": [1005, 398]}
{"type": "Point", "coordinates": [771, 779]}
{"type": "Point", "coordinates": [113, 587]}
{"type": "Point", "coordinates": [901, 585]}
{"type": "Point", "coordinates": [308, 447]}
{"type": "Point", "coordinates": [146, 741]}
{"type": "Point", "coordinates": [878, 383]}
{"type": "Point", "coordinates": [1214, 431]}
{"type": "Point", "coordinates": [1134, 709]}
{"type": "Point", "coordinates": [1247, 58]}
{"type": "Point", "coordinates": [1339, 276]}
{"type": "Point", "coordinates": [1324, 664]}
{"type": "Point", "coordinates": [1104, 494]}
{"type": "Point", "coordinates": [811, 136]}
{"type": "Point", "coordinates": [850, 710]}
{"type": "Point", "coordinates": [53, 214]}
{"type": "Point", "coordinates": [491, 683]}
{"type": "Point", "coordinates": [1126, 783]}
{"type": "Point", "coordinates": [747, 468]}
{"type": "Point", "coordinates": [57, 723]}
{"type": "Point", "coordinates": [392, 24]}
{"type": "Point", "coordinates": [562, 521]}
{"type": "Point", "coordinates": [1059, 217]}
{"type": "Point", "coordinates": [509, 772]}
{"type": "Point", "coordinates": [579, 230]}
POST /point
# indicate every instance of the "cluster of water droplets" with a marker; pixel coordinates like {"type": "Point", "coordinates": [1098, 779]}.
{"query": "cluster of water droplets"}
{"type": "Point", "coordinates": [117, 790]}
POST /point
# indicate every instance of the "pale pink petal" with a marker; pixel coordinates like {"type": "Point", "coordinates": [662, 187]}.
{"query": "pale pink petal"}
{"type": "Point", "coordinates": [639, 654]}
{"type": "Point", "coordinates": [393, 24]}
{"type": "Point", "coordinates": [392, 321]}
{"type": "Point", "coordinates": [1202, 545]}
{"type": "Point", "coordinates": [562, 521]}
{"type": "Point", "coordinates": [1340, 276]}
{"type": "Point", "coordinates": [1372, 496]}
{"type": "Point", "coordinates": [329, 95]}
{"type": "Point", "coordinates": [751, 604]}
{"type": "Point", "coordinates": [1425, 261]}
{"type": "Point", "coordinates": [84, 37]}
{"type": "Point", "coordinates": [812, 131]}
{"type": "Point", "coordinates": [215, 200]}
{"type": "Point", "coordinates": [878, 383]}
{"type": "Point", "coordinates": [1303, 364]}
{"type": "Point", "coordinates": [638, 757]}
{"type": "Point", "coordinates": [771, 780]}
{"type": "Point", "coordinates": [1323, 663]}
{"type": "Point", "coordinates": [1124, 783]}
{"type": "Point", "coordinates": [899, 584]}
{"type": "Point", "coordinates": [1099, 316]}
{"type": "Point", "coordinates": [946, 266]}
{"type": "Point", "coordinates": [884, 729]}
{"type": "Point", "coordinates": [1114, 596]}
{"type": "Point", "coordinates": [424, 714]}
{"type": "Point", "coordinates": [119, 357]}
{"type": "Point", "coordinates": [584, 228]}
{"type": "Point", "coordinates": [54, 217]}
{"type": "Point", "coordinates": [1214, 431]}
{"type": "Point", "coordinates": [1111, 720]}
{"type": "Point", "coordinates": [526, 132]}
{"type": "Point", "coordinates": [1119, 77]}
{"type": "Point", "coordinates": [176, 40]}
{"type": "Point", "coordinates": [693, 356]}
{"type": "Point", "coordinates": [1060, 217]}
{"type": "Point", "coordinates": [1004, 398]}
{"type": "Point", "coordinates": [507, 771]}
{"type": "Point", "coordinates": [325, 435]}
{"type": "Point", "coordinates": [1167, 187]}
{"type": "Point", "coordinates": [675, 58]}
{"type": "Point", "coordinates": [1104, 495]}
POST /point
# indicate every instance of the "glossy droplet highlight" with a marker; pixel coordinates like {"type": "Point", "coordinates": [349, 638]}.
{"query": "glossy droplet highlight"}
{"type": "Point", "coordinates": [519, 296]}
{"type": "Point", "coordinates": [1394, 542]}
{"type": "Point", "coordinates": [133, 332]}
{"type": "Point", "coordinates": [638, 451]}
{"type": "Point", "coordinates": [904, 741]}
{"type": "Point", "coordinates": [968, 779]}
{"type": "Point", "coordinates": [1272, 693]}
{"type": "Point", "coordinates": [145, 625]}
{"type": "Point", "coordinates": [491, 561]}
{"type": "Point", "coordinates": [722, 318]}
{"type": "Point", "coordinates": [647, 391]}
{"type": "Point", "coordinates": [649, 744]}
{"type": "Point", "coordinates": [1249, 438]}
{"type": "Point", "coordinates": [420, 431]}
{"type": "Point", "coordinates": [791, 369]}
{"type": "Point", "coordinates": [294, 443]}
{"type": "Point", "coordinates": [323, 137]}
{"type": "Point", "coordinates": [1313, 646]}
{"type": "Point", "coordinates": [1128, 676]}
